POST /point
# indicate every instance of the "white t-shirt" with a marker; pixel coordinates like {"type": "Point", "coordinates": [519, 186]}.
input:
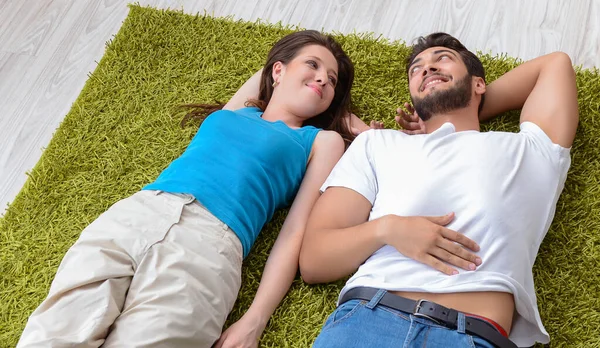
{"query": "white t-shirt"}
{"type": "Point", "coordinates": [503, 188]}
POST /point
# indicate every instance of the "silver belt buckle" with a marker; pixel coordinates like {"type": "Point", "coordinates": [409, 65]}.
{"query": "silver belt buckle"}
{"type": "Point", "coordinates": [421, 315]}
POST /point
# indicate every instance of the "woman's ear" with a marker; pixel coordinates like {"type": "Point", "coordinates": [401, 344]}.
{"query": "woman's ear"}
{"type": "Point", "coordinates": [278, 71]}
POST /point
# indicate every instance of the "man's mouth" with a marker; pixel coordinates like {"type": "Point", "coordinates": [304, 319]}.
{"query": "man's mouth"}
{"type": "Point", "coordinates": [433, 81]}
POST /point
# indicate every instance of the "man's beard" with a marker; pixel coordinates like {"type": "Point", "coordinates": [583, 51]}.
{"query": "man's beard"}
{"type": "Point", "coordinates": [440, 102]}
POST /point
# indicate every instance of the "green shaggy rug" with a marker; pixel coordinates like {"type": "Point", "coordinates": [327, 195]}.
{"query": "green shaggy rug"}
{"type": "Point", "coordinates": [124, 129]}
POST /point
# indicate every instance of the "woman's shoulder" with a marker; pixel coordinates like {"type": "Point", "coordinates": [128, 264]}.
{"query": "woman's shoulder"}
{"type": "Point", "coordinates": [328, 144]}
{"type": "Point", "coordinates": [248, 111]}
{"type": "Point", "coordinates": [328, 139]}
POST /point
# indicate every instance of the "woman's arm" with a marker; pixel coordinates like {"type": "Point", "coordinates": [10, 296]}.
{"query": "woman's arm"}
{"type": "Point", "coordinates": [249, 90]}
{"type": "Point", "coordinates": [357, 126]}
{"type": "Point", "coordinates": [282, 264]}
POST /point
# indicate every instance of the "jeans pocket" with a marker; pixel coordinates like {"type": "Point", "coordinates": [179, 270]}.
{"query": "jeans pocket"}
{"type": "Point", "coordinates": [478, 342]}
{"type": "Point", "coordinates": [343, 312]}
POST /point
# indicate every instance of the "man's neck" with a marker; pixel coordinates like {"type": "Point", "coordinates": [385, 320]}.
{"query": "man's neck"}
{"type": "Point", "coordinates": [462, 119]}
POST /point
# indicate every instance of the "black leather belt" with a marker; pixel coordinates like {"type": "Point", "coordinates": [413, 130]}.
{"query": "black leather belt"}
{"type": "Point", "coordinates": [439, 314]}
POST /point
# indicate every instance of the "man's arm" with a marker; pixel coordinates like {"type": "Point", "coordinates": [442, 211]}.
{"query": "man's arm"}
{"type": "Point", "coordinates": [338, 238]}
{"type": "Point", "coordinates": [545, 89]}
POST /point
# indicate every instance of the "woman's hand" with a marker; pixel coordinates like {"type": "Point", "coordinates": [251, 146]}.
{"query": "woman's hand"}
{"type": "Point", "coordinates": [245, 333]}
{"type": "Point", "coordinates": [376, 125]}
{"type": "Point", "coordinates": [358, 126]}
{"type": "Point", "coordinates": [425, 239]}
{"type": "Point", "coordinates": [409, 120]}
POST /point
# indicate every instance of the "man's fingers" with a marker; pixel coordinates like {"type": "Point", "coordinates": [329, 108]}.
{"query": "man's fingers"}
{"type": "Point", "coordinates": [460, 239]}
{"type": "Point", "coordinates": [410, 116]}
{"type": "Point", "coordinates": [408, 125]}
{"type": "Point", "coordinates": [456, 255]}
{"type": "Point", "coordinates": [439, 265]}
{"type": "Point", "coordinates": [409, 113]}
{"type": "Point", "coordinates": [441, 220]}
{"type": "Point", "coordinates": [452, 259]}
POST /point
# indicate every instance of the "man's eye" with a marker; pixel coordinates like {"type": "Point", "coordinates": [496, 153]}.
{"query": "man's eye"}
{"type": "Point", "coordinates": [414, 69]}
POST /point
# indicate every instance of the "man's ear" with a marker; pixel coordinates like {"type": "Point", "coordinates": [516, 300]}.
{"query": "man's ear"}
{"type": "Point", "coordinates": [480, 86]}
{"type": "Point", "coordinates": [278, 71]}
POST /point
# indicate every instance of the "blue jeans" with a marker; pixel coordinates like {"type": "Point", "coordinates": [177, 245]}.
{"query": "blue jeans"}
{"type": "Point", "coordinates": [359, 323]}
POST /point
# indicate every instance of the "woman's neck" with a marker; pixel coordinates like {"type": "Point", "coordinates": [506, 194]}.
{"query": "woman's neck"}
{"type": "Point", "coordinates": [275, 112]}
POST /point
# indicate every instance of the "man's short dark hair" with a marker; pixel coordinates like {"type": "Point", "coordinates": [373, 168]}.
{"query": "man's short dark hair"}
{"type": "Point", "coordinates": [472, 62]}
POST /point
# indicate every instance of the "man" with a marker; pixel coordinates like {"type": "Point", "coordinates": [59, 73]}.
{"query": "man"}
{"type": "Point", "coordinates": [398, 209]}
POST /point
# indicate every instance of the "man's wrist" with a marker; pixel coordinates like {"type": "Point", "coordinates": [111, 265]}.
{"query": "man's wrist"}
{"type": "Point", "coordinates": [381, 228]}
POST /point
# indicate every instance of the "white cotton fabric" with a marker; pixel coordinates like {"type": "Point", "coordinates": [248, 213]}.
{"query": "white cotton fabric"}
{"type": "Point", "coordinates": [503, 188]}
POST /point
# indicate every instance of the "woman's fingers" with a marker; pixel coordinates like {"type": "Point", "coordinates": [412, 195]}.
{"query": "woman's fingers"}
{"type": "Point", "coordinates": [376, 125]}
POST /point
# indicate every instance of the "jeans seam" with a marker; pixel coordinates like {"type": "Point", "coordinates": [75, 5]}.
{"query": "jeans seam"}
{"type": "Point", "coordinates": [395, 312]}
{"type": "Point", "coordinates": [470, 341]}
{"type": "Point", "coordinates": [346, 316]}
{"type": "Point", "coordinates": [408, 339]}
{"type": "Point", "coordinates": [426, 337]}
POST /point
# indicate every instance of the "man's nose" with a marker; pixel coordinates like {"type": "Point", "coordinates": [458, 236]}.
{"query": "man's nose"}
{"type": "Point", "coordinates": [430, 69]}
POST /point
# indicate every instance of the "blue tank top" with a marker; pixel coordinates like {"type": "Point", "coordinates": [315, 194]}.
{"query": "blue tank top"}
{"type": "Point", "coordinates": [241, 168]}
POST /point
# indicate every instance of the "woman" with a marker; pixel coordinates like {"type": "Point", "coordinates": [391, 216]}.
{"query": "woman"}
{"type": "Point", "coordinates": [163, 267]}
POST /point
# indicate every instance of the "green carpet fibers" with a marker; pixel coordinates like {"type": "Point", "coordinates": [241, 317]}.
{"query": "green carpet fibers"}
{"type": "Point", "coordinates": [124, 129]}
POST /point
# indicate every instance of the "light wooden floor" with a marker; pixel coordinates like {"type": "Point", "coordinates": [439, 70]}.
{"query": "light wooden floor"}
{"type": "Point", "coordinates": [48, 47]}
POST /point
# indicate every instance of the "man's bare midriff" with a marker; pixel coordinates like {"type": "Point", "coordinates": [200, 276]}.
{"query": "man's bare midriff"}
{"type": "Point", "coordinates": [497, 306]}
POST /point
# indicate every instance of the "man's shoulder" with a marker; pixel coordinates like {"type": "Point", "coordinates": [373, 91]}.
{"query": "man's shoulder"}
{"type": "Point", "coordinates": [381, 135]}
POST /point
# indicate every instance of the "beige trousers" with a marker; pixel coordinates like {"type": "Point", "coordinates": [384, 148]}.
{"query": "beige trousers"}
{"type": "Point", "coordinates": [155, 270]}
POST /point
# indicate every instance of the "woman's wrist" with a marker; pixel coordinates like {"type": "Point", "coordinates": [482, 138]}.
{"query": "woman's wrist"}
{"type": "Point", "coordinates": [258, 318]}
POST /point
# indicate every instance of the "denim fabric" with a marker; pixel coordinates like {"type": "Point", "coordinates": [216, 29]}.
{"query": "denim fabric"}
{"type": "Point", "coordinates": [359, 323]}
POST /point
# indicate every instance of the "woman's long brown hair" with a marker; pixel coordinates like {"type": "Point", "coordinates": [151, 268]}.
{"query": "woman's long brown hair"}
{"type": "Point", "coordinates": [286, 49]}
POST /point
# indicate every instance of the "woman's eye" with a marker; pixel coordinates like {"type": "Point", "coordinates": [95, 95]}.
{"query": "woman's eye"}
{"type": "Point", "coordinates": [333, 80]}
{"type": "Point", "coordinates": [312, 63]}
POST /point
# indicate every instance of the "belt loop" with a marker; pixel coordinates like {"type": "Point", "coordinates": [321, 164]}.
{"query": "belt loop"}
{"type": "Point", "coordinates": [375, 300]}
{"type": "Point", "coordinates": [460, 323]}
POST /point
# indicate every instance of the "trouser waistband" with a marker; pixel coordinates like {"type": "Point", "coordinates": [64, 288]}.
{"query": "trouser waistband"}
{"type": "Point", "coordinates": [437, 313]}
